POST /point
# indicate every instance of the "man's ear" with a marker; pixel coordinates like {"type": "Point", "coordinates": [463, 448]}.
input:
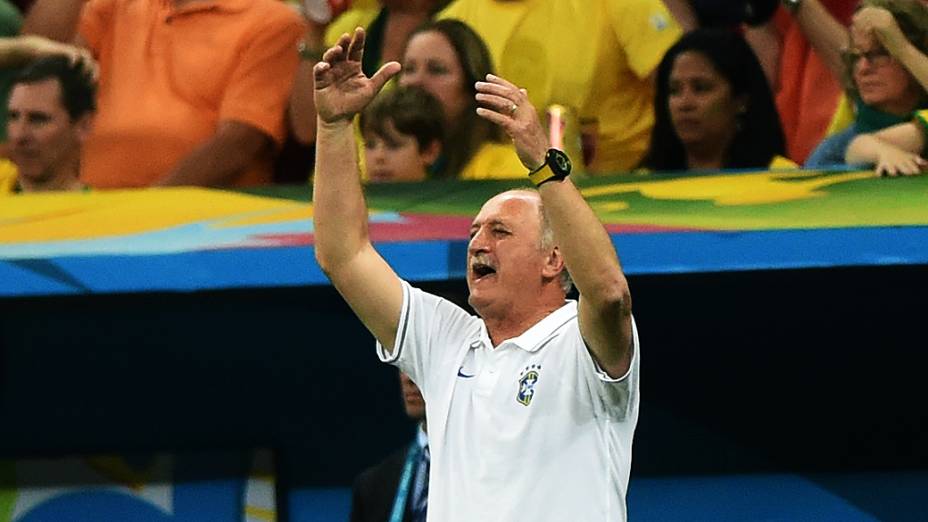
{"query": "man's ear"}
{"type": "Point", "coordinates": [554, 264]}
{"type": "Point", "coordinates": [84, 126]}
{"type": "Point", "coordinates": [431, 152]}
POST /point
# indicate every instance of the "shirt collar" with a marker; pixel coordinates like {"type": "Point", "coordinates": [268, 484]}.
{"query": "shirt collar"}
{"type": "Point", "coordinates": [871, 119]}
{"type": "Point", "coordinates": [229, 6]}
{"type": "Point", "coordinates": [535, 337]}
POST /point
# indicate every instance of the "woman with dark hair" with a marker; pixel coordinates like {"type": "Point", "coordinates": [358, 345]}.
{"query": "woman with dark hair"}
{"type": "Point", "coordinates": [713, 108]}
{"type": "Point", "coordinates": [446, 58]}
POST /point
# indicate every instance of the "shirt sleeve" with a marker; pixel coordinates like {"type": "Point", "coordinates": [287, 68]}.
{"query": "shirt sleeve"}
{"type": "Point", "coordinates": [259, 88]}
{"type": "Point", "coordinates": [617, 396]}
{"type": "Point", "coordinates": [645, 29]}
{"type": "Point", "coordinates": [430, 328]}
{"type": "Point", "coordinates": [921, 120]}
{"type": "Point", "coordinates": [11, 20]}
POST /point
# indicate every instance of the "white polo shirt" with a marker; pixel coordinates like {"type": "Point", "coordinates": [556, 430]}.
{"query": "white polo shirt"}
{"type": "Point", "coordinates": [530, 430]}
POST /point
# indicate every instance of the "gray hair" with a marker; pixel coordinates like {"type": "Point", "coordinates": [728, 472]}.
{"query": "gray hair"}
{"type": "Point", "coordinates": [547, 239]}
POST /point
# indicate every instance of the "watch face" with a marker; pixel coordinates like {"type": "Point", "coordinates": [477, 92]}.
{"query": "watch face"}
{"type": "Point", "coordinates": [561, 163]}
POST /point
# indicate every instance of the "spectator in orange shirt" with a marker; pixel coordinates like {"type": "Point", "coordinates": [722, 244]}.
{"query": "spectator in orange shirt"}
{"type": "Point", "coordinates": [192, 92]}
{"type": "Point", "coordinates": [808, 92]}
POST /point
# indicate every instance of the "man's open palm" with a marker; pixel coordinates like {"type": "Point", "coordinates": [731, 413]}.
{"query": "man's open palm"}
{"type": "Point", "coordinates": [341, 88]}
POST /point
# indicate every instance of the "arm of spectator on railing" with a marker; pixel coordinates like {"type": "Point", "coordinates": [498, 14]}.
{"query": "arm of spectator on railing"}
{"type": "Point", "coordinates": [55, 19]}
{"type": "Point", "coordinates": [683, 14]}
{"type": "Point", "coordinates": [826, 34]}
{"type": "Point", "coordinates": [881, 24]}
{"type": "Point", "coordinates": [220, 160]}
{"type": "Point", "coordinates": [17, 51]}
{"type": "Point", "coordinates": [893, 151]}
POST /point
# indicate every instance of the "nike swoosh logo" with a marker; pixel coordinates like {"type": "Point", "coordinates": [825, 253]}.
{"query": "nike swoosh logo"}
{"type": "Point", "coordinates": [462, 374]}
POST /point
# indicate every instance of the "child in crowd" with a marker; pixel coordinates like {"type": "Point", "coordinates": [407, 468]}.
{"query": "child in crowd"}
{"type": "Point", "coordinates": [446, 58]}
{"type": "Point", "coordinates": [403, 135]}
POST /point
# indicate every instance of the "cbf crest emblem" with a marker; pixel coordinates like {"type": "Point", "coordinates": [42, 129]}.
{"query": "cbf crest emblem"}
{"type": "Point", "coordinates": [527, 382]}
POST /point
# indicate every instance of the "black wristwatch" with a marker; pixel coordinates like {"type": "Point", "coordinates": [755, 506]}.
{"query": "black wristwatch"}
{"type": "Point", "coordinates": [555, 168]}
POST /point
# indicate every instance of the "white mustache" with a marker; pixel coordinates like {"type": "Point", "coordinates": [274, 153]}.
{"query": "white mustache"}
{"type": "Point", "coordinates": [482, 259]}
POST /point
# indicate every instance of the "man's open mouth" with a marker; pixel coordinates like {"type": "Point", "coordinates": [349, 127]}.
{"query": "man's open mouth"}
{"type": "Point", "coordinates": [481, 270]}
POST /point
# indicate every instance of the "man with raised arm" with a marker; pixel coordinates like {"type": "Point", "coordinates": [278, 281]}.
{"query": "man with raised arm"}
{"type": "Point", "coordinates": [532, 405]}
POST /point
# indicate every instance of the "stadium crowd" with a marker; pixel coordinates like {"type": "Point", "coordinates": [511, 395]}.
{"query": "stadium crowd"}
{"type": "Point", "coordinates": [110, 94]}
{"type": "Point", "coordinates": [219, 92]}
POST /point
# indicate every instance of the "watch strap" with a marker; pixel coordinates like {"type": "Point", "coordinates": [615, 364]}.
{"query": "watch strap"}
{"type": "Point", "coordinates": [555, 168]}
{"type": "Point", "coordinates": [544, 174]}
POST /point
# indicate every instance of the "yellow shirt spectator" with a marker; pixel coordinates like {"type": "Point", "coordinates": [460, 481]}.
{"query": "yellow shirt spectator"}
{"type": "Point", "coordinates": [782, 163]}
{"type": "Point", "coordinates": [593, 56]}
{"type": "Point", "coordinates": [361, 14]}
{"type": "Point", "coordinates": [8, 176]}
{"type": "Point", "coordinates": [494, 161]}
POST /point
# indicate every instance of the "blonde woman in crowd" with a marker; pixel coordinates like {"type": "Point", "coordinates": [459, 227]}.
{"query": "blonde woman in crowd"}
{"type": "Point", "coordinates": [884, 78]}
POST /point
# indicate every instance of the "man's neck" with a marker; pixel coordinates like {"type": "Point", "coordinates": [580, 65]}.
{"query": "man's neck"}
{"type": "Point", "coordinates": [513, 324]}
{"type": "Point", "coordinates": [709, 156]}
{"type": "Point", "coordinates": [65, 181]}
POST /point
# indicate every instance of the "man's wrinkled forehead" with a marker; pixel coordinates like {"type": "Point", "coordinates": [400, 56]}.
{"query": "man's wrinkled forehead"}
{"type": "Point", "coordinates": [514, 203]}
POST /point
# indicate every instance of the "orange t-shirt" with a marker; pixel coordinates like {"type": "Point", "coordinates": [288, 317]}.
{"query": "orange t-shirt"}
{"type": "Point", "coordinates": [169, 76]}
{"type": "Point", "coordinates": [808, 92]}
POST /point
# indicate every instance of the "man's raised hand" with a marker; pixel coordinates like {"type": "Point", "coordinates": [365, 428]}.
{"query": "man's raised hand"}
{"type": "Point", "coordinates": [341, 88]}
{"type": "Point", "coordinates": [506, 105]}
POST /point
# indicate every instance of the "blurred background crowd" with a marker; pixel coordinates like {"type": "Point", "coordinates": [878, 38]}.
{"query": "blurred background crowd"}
{"type": "Point", "coordinates": [105, 94]}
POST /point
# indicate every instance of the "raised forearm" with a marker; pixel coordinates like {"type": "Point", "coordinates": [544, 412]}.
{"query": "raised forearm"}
{"type": "Point", "coordinates": [826, 35]}
{"type": "Point", "coordinates": [683, 14]}
{"type": "Point", "coordinates": [584, 244]}
{"type": "Point", "coordinates": [766, 45]}
{"type": "Point", "coordinates": [605, 303]}
{"type": "Point", "coordinates": [916, 62]}
{"type": "Point", "coordinates": [339, 209]}
{"type": "Point", "coordinates": [55, 19]}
